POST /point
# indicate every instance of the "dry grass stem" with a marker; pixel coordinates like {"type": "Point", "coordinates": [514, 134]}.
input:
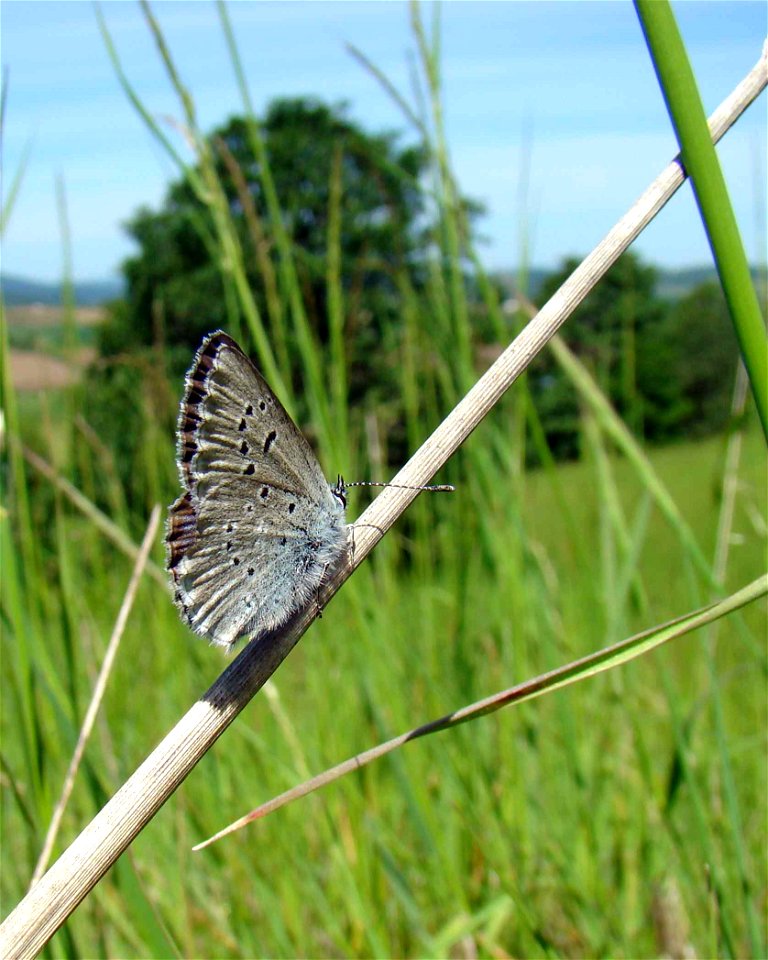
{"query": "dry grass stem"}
{"type": "Point", "coordinates": [102, 522]}
{"type": "Point", "coordinates": [98, 694]}
{"type": "Point", "coordinates": [81, 866]}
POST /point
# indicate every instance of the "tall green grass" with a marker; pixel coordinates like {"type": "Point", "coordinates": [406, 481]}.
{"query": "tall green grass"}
{"type": "Point", "coordinates": [619, 817]}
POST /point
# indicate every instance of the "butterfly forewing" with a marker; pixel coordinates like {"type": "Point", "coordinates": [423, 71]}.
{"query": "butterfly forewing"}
{"type": "Point", "coordinates": [239, 427]}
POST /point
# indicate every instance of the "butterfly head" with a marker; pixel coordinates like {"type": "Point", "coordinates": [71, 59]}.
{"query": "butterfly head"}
{"type": "Point", "coordinates": [339, 490]}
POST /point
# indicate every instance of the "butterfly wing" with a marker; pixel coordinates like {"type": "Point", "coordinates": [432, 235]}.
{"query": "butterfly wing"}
{"type": "Point", "coordinates": [250, 539]}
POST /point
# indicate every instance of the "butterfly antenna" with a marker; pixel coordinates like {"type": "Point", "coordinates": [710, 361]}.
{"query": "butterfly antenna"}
{"type": "Point", "coordinates": [437, 488]}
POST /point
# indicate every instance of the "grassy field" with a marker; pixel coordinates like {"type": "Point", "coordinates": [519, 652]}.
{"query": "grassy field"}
{"type": "Point", "coordinates": [617, 818]}
{"type": "Point", "coordinates": [622, 817]}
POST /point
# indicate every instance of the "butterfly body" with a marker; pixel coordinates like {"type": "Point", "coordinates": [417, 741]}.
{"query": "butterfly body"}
{"type": "Point", "coordinates": [258, 526]}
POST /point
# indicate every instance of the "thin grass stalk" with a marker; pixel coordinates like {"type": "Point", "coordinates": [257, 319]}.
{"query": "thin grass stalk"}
{"type": "Point", "coordinates": [18, 175]}
{"type": "Point", "coordinates": [549, 465]}
{"type": "Point", "coordinates": [419, 407]}
{"type": "Point", "coordinates": [81, 866]}
{"type": "Point", "coordinates": [610, 421]}
{"type": "Point", "coordinates": [225, 249]}
{"type": "Point", "coordinates": [107, 526]}
{"type": "Point", "coordinates": [97, 696]}
{"type": "Point", "coordinates": [436, 292]}
{"type": "Point", "coordinates": [19, 610]}
{"type": "Point", "coordinates": [261, 253]}
{"type": "Point", "coordinates": [630, 585]}
{"type": "Point", "coordinates": [21, 568]}
{"type": "Point", "coordinates": [230, 254]}
{"type": "Point", "coordinates": [611, 525]}
{"type": "Point", "coordinates": [259, 152]}
{"type": "Point", "coordinates": [700, 820]}
{"type": "Point", "coordinates": [6, 209]}
{"type": "Point", "coordinates": [192, 176]}
{"type": "Point", "coordinates": [730, 479]}
{"type": "Point", "coordinates": [450, 232]}
{"type": "Point", "coordinates": [608, 658]}
{"type": "Point", "coordinates": [678, 85]}
{"type": "Point", "coordinates": [513, 442]}
{"type": "Point", "coordinates": [448, 194]}
{"type": "Point", "coordinates": [369, 66]}
{"type": "Point", "coordinates": [309, 352]}
{"type": "Point", "coordinates": [734, 823]}
{"type": "Point", "coordinates": [65, 435]}
{"type": "Point", "coordinates": [102, 456]}
{"type": "Point", "coordinates": [165, 55]}
{"type": "Point", "coordinates": [336, 345]}
{"type": "Point", "coordinates": [67, 285]}
{"type": "Point", "coordinates": [145, 115]}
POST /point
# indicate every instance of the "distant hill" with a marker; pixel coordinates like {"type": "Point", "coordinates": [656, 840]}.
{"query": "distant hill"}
{"type": "Point", "coordinates": [672, 284]}
{"type": "Point", "coordinates": [20, 291]}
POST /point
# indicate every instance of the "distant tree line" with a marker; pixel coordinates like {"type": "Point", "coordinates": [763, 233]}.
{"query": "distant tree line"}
{"type": "Point", "coordinates": [668, 367]}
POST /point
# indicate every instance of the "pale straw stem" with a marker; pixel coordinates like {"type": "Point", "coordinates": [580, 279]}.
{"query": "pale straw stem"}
{"type": "Point", "coordinates": [98, 694]}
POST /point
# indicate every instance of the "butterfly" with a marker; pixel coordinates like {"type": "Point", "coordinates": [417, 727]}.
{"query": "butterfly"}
{"type": "Point", "coordinates": [257, 527]}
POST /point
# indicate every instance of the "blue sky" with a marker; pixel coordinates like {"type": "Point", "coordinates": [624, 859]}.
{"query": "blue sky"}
{"type": "Point", "coordinates": [572, 80]}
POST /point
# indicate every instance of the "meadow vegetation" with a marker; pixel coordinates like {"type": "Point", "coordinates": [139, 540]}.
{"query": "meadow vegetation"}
{"type": "Point", "coordinates": [624, 816]}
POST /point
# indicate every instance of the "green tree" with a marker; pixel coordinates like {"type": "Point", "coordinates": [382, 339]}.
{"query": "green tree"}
{"type": "Point", "coordinates": [699, 341]}
{"type": "Point", "coordinates": [611, 332]}
{"type": "Point", "coordinates": [174, 290]}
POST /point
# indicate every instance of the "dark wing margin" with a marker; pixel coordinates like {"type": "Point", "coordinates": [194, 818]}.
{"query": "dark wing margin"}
{"type": "Point", "coordinates": [195, 394]}
{"type": "Point", "coordinates": [181, 534]}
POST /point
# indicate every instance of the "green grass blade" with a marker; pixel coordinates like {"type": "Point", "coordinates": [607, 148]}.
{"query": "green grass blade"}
{"type": "Point", "coordinates": [617, 430]}
{"type": "Point", "coordinates": [686, 111]}
{"type": "Point", "coordinates": [590, 666]}
{"type": "Point", "coordinates": [133, 96]}
{"type": "Point", "coordinates": [15, 185]}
